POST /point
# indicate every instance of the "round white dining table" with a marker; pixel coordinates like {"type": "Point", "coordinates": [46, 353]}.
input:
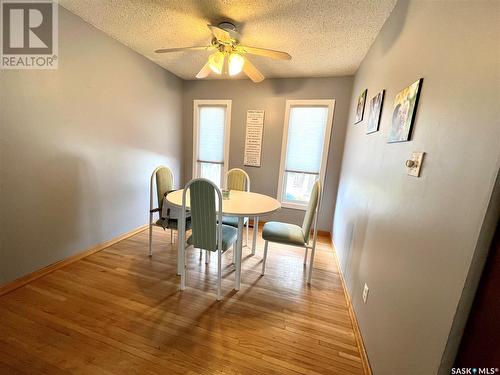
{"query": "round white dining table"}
{"type": "Point", "coordinates": [240, 204]}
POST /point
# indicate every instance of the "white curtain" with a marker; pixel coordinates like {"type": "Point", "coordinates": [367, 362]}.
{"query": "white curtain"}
{"type": "Point", "coordinates": [306, 136]}
{"type": "Point", "coordinates": [211, 134]}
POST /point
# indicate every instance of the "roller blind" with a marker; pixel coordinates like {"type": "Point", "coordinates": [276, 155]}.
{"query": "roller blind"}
{"type": "Point", "coordinates": [211, 134]}
{"type": "Point", "coordinates": [306, 135]}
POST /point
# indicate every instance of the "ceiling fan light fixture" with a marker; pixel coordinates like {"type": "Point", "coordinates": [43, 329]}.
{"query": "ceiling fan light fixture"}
{"type": "Point", "coordinates": [236, 62]}
{"type": "Point", "coordinates": [230, 57]}
{"type": "Point", "coordinates": [216, 62]}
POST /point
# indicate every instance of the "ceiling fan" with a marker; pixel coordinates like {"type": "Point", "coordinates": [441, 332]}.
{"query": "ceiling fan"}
{"type": "Point", "coordinates": [230, 57]}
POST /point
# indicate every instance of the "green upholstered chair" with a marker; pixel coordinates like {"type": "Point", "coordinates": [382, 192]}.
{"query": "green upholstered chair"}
{"type": "Point", "coordinates": [164, 179]}
{"type": "Point", "coordinates": [207, 231]}
{"type": "Point", "coordinates": [294, 235]}
{"type": "Point", "coordinates": [238, 179]}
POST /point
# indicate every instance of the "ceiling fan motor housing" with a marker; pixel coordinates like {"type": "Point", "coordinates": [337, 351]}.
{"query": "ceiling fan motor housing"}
{"type": "Point", "coordinates": [227, 26]}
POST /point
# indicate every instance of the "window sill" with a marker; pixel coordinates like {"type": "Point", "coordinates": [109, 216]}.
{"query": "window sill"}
{"type": "Point", "coordinates": [294, 206]}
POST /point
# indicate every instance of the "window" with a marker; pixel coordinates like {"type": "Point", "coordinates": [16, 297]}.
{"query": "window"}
{"type": "Point", "coordinates": [211, 139]}
{"type": "Point", "coordinates": [304, 151]}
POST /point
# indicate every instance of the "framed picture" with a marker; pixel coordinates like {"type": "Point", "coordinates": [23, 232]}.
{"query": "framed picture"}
{"type": "Point", "coordinates": [360, 108]}
{"type": "Point", "coordinates": [375, 111]}
{"type": "Point", "coordinates": [403, 115]}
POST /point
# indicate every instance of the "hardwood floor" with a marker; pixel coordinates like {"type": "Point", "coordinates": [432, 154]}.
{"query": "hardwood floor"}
{"type": "Point", "coordinates": [120, 312]}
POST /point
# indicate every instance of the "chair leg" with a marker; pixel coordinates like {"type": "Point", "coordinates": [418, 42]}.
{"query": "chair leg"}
{"type": "Point", "coordinates": [182, 267]}
{"type": "Point", "coordinates": [248, 224]}
{"type": "Point", "coordinates": [150, 234]}
{"type": "Point", "coordinates": [311, 262]}
{"type": "Point", "coordinates": [179, 262]}
{"type": "Point", "coordinates": [265, 258]}
{"type": "Point", "coordinates": [305, 256]}
{"type": "Point", "coordinates": [186, 263]}
{"type": "Point", "coordinates": [219, 275]}
{"type": "Point", "coordinates": [207, 256]}
{"type": "Point", "coordinates": [171, 236]}
{"type": "Point", "coordinates": [255, 231]}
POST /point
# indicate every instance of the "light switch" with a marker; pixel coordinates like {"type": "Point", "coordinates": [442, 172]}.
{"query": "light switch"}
{"type": "Point", "coordinates": [365, 293]}
{"type": "Point", "coordinates": [414, 164]}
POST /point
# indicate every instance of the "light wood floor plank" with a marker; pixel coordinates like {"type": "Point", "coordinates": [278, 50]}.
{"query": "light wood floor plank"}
{"type": "Point", "coordinates": [118, 311]}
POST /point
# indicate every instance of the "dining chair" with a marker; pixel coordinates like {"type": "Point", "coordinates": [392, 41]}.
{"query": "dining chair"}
{"type": "Point", "coordinates": [294, 235]}
{"type": "Point", "coordinates": [207, 230]}
{"type": "Point", "coordinates": [238, 179]}
{"type": "Point", "coordinates": [164, 179]}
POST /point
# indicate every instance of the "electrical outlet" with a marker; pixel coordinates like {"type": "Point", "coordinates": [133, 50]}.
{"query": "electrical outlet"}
{"type": "Point", "coordinates": [365, 293]}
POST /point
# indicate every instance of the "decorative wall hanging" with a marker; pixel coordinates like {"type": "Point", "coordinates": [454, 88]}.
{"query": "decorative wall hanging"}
{"type": "Point", "coordinates": [403, 115]}
{"type": "Point", "coordinates": [253, 138]}
{"type": "Point", "coordinates": [361, 107]}
{"type": "Point", "coordinates": [375, 111]}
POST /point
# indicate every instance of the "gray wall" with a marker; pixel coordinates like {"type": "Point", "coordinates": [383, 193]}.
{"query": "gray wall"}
{"type": "Point", "coordinates": [271, 95]}
{"type": "Point", "coordinates": [412, 239]}
{"type": "Point", "coordinates": [78, 145]}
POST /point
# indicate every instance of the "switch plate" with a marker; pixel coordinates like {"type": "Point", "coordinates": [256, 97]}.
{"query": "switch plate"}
{"type": "Point", "coordinates": [414, 170]}
{"type": "Point", "coordinates": [365, 293]}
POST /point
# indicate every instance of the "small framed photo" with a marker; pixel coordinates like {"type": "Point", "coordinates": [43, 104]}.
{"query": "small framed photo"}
{"type": "Point", "coordinates": [375, 111]}
{"type": "Point", "coordinates": [360, 107]}
{"type": "Point", "coordinates": [403, 115]}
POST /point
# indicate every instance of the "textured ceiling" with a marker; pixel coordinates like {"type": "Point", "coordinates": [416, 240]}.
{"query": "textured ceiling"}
{"type": "Point", "coordinates": [324, 37]}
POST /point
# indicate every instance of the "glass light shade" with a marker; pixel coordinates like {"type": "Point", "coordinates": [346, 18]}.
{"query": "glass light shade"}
{"type": "Point", "coordinates": [216, 62]}
{"type": "Point", "coordinates": [236, 62]}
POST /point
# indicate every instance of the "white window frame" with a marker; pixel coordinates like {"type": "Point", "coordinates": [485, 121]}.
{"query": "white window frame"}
{"type": "Point", "coordinates": [330, 103]}
{"type": "Point", "coordinates": [227, 128]}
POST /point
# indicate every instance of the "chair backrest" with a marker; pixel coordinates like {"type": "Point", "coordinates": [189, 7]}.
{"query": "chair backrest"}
{"type": "Point", "coordinates": [312, 208]}
{"type": "Point", "coordinates": [164, 183]}
{"type": "Point", "coordinates": [205, 197]}
{"type": "Point", "coordinates": [237, 179]}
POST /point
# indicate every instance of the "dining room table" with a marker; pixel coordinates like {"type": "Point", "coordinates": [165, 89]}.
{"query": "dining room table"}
{"type": "Point", "coordinates": [240, 204]}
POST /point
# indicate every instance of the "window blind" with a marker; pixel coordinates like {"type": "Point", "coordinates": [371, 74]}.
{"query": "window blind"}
{"type": "Point", "coordinates": [211, 134]}
{"type": "Point", "coordinates": [306, 135]}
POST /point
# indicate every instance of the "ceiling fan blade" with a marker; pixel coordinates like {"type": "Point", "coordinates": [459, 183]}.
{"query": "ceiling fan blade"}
{"type": "Point", "coordinates": [252, 72]}
{"type": "Point", "coordinates": [204, 72]}
{"type": "Point", "coordinates": [167, 50]}
{"type": "Point", "coordinates": [221, 35]}
{"type": "Point", "coordinates": [265, 52]}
